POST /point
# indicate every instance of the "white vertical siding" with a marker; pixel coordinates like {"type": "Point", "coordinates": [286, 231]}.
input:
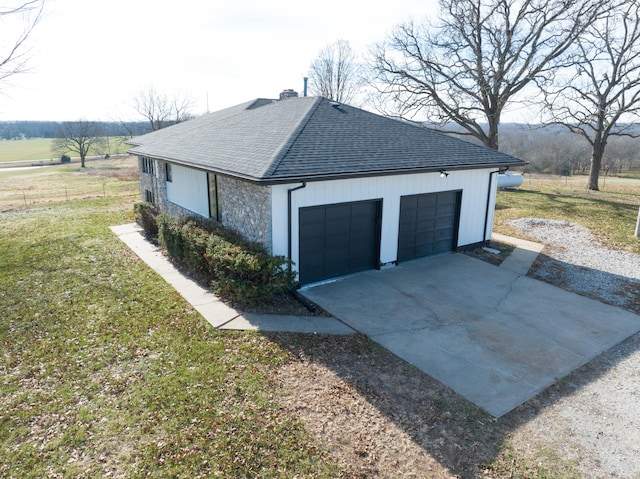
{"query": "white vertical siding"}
{"type": "Point", "coordinates": [473, 184]}
{"type": "Point", "coordinates": [189, 189]}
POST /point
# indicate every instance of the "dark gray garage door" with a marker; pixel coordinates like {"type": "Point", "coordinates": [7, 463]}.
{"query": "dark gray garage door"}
{"type": "Point", "coordinates": [339, 239]}
{"type": "Point", "coordinates": [428, 224]}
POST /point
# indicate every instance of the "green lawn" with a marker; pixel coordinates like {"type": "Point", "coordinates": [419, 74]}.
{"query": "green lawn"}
{"type": "Point", "coordinates": [107, 371]}
{"type": "Point", "coordinates": [36, 149]}
{"type": "Point", "coordinates": [610, 214]}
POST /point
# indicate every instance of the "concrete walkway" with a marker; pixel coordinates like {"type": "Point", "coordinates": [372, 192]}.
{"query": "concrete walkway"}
{"type": "Point", "coordinates": [218, 314]}
{"type": "Point", "coordinates": [492, 334]}
{"type": "Point", "coordinates": [522, 257]}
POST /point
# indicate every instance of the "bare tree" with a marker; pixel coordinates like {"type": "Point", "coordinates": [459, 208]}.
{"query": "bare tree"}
{"type": "Point", "coordinates": [18, 18]}
{"type": "Point", "coordinates": [78, 137]}
{"type": "Point", "coordinates": [470, 64]}
{"type": "Point", "coordinates": [603, 86]}
{"type": "Point", "coordinates": [160, 109]}
{"type": "Point", "coordinates": [335, 73]}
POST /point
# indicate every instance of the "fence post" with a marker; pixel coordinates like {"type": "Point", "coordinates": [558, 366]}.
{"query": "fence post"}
{"type": "Point", "coordinates": [638, 225]}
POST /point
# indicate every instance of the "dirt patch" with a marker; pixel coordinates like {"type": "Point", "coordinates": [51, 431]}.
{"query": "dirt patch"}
{"type": "Point", "coordinates": [493, 252]}
{"type": "Point", "coordinates": [378, 416]}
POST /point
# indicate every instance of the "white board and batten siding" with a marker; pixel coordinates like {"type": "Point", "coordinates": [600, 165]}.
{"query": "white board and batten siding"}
{"type": "Point", "coordinates": [472, 183]}
{"type": "Point", "coordinates": [189, 188]}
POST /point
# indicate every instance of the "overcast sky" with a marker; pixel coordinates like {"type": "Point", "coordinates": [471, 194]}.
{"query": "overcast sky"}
{"type": "Point", "coordinates": [89, 58]}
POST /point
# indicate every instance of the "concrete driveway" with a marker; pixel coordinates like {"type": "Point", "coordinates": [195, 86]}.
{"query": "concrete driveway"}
{"type": "Point", "coordinates": [490, 333]}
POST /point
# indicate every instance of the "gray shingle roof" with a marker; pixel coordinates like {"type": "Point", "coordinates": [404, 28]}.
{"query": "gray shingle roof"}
{"type": "Point", "coordinates": [310, 138]}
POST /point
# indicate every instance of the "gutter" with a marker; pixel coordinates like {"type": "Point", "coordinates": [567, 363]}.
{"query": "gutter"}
{"type": "Point", "coordinates": [312, 177]}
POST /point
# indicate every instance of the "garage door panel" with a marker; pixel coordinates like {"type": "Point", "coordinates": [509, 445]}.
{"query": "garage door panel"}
{"type": "Point", "coordinates": [423, 250]}
{"type": "Point", "coordinates": [312, 217]}
{"type": "Point", "coordinates": [446, 222]}
{"type": "Point", "coordinates": [338, 239]}
{"type": "Point", "coordinates": [425, 237]}
{"type": "Point", "coordinates": [337, 242]}
{"type": "Point", "coordinates": [338, 212]}
{"type": "Point", "coordinates": [446, 209]}
{"type": "Point", "coordinates": [425, 225]}
{"type": "Point", "coordinates": [428, 224]}
{"type": "Point", "coordinates": [426, 200]}
{"type": "Point", "coordinates": [426, 216]}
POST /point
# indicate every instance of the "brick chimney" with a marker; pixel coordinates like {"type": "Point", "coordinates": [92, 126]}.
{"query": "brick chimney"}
{"type": "Point", "coordinates": [290, 93]}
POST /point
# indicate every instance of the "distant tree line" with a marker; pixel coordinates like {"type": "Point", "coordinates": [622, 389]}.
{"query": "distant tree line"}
{"type": "Point", "coordinates": [13, 130]}
{"type": "Point", "coordinates": [557, 151]}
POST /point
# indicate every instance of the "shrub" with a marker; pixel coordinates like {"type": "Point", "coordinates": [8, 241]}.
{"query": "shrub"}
{"type": "Point", "coordinates": [146, 214]}
{"type": "Point", "coordinates": [238, 270]}
{"type": "Point", "coordinates": [65, 159]}
{"type": "Point", "coordinates": [170, 235]}
{"type": "Point", "coordinates": [245, 272]}
{"type": "Point", "coordinates": [194, 246]}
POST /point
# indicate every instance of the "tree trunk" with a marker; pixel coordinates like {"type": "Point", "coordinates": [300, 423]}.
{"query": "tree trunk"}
{"type": "Point", "coordinates": [596, 164]}
{"type": "Point", "coordinates": [492, 137]}
{"type": "Point", "coordinates": [82, 161]}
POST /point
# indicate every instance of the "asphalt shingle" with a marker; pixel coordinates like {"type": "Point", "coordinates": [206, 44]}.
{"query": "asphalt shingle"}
{"type": "Point", "coordinates": [310, 138]}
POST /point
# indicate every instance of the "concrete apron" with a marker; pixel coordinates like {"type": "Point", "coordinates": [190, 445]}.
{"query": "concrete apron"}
{"type": "Point", "coordinates": [492, 334]}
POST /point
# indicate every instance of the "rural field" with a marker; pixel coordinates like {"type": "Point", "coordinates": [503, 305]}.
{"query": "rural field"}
{"type": "Point", "coordinates": [35, 150]}
{"type": "Point", "coordinates": [107, 372]}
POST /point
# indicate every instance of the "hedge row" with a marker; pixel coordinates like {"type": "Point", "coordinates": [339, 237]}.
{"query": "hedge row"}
{"type": "Point", "coordinates": [238, 270]}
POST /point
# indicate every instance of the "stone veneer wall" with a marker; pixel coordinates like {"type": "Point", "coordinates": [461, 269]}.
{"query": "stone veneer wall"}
{"type": "Point", "coordinates": [246, 208]}
{"type": "Point", "coordinates": [158, 186]}
{"type": "Point", "coordinates": [147, 181]}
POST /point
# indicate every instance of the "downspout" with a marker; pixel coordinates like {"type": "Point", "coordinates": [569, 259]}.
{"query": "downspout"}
{"type": "Point", "coordinates": [293, 292]}
{"type": "Point", "coordinates": [289, 227]}
{"type": "Point", "coordinates": [486, 214]}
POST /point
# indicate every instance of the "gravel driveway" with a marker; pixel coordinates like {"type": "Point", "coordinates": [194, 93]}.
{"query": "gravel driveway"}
{"type": "Point", "coordinates": [593, 415]}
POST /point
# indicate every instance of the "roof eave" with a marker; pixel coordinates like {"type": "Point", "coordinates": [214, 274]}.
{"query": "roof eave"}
{"type": "Point", "coordinates": [274, 180]}
{"type": "Point", "coordinates": [375, 173]}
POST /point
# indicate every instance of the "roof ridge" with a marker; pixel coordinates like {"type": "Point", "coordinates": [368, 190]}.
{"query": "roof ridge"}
{"type": "Point", "coordinates": [284, 148]}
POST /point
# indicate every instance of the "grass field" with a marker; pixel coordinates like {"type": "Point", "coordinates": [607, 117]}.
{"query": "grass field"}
{"type": "Point", "coordinates": [13, 152]}
{"type": "Point", "coordinates": [610, 213]}
{"type": "Point", "coordinates": [107, 372]}
{"type": "Point", "coordinates": [116, 177]}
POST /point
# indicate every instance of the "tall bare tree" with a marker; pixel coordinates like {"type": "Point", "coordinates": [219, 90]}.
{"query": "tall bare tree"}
{"type": "Point", "coordinates": [18, 19]}
{"type": "Point", "coordinates": [470, 64]}
{"type": "Point", "coordinates": [336, 73]}
{"type": "Point", "coordinates": [78, 137]}
{"type": "Point", "coordinates": [602, 88]}
{"type": "Point", "coordinates": [162, 110]}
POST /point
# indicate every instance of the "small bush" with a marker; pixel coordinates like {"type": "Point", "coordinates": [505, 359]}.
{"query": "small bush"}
{"type": "Point", "coordinates": [194, 246]}
{"type": "Point", "coordinates": [146, 214]}
{"type": "Point", "coordinates": [170, 236]}
{"type": "Point", "coordinates": [65, 159]}
{"type": "Point", "coordinates": [245, 272]}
